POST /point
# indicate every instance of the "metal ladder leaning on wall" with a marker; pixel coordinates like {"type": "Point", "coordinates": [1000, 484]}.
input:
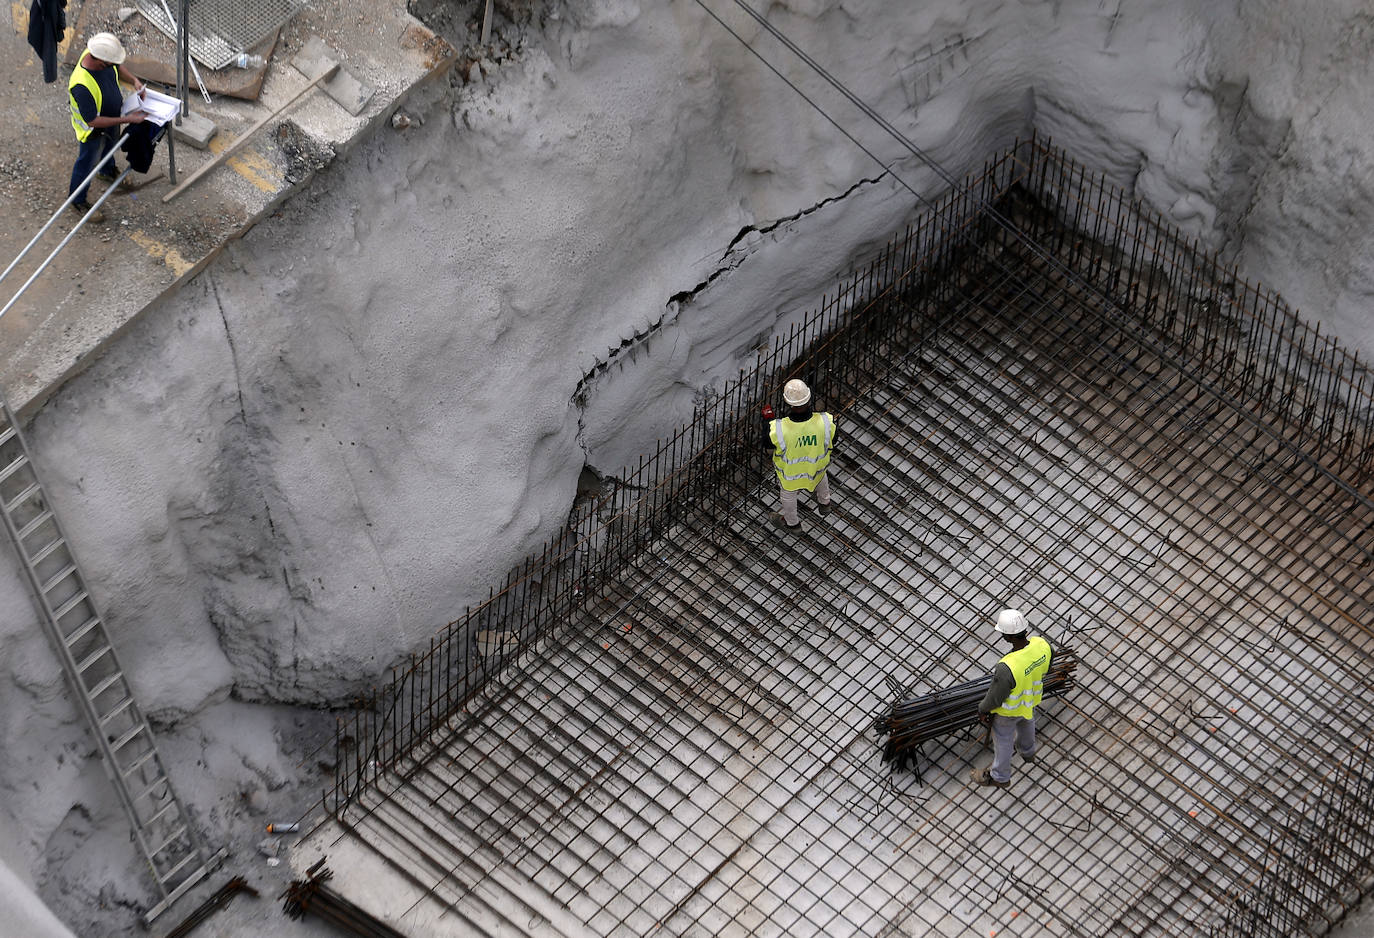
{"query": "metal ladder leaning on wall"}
{"type": "Point", "coordinates": [161, 827]}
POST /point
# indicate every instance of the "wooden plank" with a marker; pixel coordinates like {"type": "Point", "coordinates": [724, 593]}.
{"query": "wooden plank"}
{"type": "Point", "coordinates": [238, 144]}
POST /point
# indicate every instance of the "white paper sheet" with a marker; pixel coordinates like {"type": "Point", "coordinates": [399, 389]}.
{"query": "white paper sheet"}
{"type": "Point", "coordinates": [159, 107]}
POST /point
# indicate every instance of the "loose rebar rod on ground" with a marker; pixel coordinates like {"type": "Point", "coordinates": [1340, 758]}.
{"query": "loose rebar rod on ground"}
{"type": "Point", "coordinates": [212, 905]}
{"type": "Point", "coordinates": [312, 896]}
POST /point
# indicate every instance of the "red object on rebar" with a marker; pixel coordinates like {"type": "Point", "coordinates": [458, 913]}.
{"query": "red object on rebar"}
{"type": "Point", "coordinates": [768, 412]}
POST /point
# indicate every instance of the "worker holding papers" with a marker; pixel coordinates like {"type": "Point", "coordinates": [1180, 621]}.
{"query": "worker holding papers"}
{"type": "Point", "coordinates": [99, 110]}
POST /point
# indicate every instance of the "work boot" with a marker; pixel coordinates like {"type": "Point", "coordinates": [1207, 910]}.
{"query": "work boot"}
{"type": "Point", "coordinates": [127, 184]}
{"type": "Point", "coordinates": [780, 522]}
{"type": "Point", "coordinates": [1028, 759]}
{"type": "Point", "coordinates": [822, 508]}
{"type": "Point", "coordinates": [981, 777]}
{"type": "Point", "coordinates": [95, 215]}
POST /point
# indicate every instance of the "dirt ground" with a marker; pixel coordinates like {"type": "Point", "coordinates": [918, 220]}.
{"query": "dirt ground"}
{"type": "Point", "coordinates": [108, 272]}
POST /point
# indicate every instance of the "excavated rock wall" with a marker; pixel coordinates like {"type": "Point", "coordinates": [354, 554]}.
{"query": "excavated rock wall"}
{"type": "Point", "coordinates": [362, 414]}
{"type": "Point", "coordinates": [366, 411]}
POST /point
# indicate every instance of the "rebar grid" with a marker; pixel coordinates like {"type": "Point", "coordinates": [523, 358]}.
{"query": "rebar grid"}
{"type": "Point", "coordinates": [1058, 509]}
{"type": "Point", "coordinates": [692, 755]}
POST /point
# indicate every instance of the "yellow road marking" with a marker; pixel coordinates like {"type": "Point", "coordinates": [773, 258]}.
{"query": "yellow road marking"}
{"type": "Point", "coordinates": [251, 166]}
{"type": "Point", "coordinates": [159, 251]}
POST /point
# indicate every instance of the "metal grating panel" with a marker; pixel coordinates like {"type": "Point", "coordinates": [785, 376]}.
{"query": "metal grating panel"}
{"type": "Point", "coordinates": [221, 29]}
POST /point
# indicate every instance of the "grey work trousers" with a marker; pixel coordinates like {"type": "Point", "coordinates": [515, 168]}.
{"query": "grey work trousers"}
{"type": "Point", "coordinates": [789, 500]}
{"type": "Point", "coordinates": [1009, 733]}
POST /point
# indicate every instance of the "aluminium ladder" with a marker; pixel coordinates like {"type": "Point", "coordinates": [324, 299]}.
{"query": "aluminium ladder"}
{"type": "Point", "coordinates": [161, 827]}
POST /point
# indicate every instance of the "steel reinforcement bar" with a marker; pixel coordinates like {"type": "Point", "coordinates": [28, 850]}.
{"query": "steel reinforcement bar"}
{"type": "Point", "coordinates": [548, 592]}
{"type": "Point", "coordinates": [1250, 344]}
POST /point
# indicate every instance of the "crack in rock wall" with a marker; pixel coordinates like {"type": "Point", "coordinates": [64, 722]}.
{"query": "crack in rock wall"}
{"type": "Point", "coordinates": [331, 441]}
{"type": "Point", "coordinates": [707, 333]}
{"type": "Point", "coordinates": [363, 413]}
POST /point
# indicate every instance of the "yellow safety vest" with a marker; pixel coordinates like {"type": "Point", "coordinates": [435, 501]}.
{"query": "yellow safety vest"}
{"type": "Point", "coordinates": [82, 77]}
{"type": "Point", "coordinates": [1028, 666]}
{"type": "Point", "coordinates": [801, 450]}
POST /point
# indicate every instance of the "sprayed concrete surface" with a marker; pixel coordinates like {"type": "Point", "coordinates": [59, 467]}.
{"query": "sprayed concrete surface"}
{"type": "Point", "coordinates": [341, 427]}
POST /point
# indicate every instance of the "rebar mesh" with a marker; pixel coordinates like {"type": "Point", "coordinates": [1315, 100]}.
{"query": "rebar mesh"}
{"type": "Point", "coordinates": [1044, 395]}
{"type": "Point", "coordinates": [220, 29]}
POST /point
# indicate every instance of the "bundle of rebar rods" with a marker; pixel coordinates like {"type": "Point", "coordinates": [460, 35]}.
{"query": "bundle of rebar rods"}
{"type": "Point", "coordinates": [914, 720]}
{"type": "Point", "coordinates": [313, 896]}
{"type": "Point", "coordinates": [212, 905]}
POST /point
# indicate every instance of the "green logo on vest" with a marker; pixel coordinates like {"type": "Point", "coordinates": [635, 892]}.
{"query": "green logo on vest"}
{"type": "Point", "coordinates": [806, 440]}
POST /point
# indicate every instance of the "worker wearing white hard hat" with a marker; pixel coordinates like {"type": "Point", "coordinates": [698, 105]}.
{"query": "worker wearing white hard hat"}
{"type": "Point", "coordinates": [1010, 703]}
{"type": "Point", "coordinates": [802, 441]}
{"type": "Point", "coordinates": [97, 103]}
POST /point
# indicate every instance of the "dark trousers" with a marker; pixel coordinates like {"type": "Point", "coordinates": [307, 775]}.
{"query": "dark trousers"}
{"type": "Point", "coordinates": [95, 146]}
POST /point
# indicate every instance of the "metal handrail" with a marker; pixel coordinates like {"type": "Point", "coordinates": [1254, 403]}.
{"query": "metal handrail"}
{"type": "Point", "coordinates": [57, 214]}
{"type": "Point", "coordinates": [58, 250]}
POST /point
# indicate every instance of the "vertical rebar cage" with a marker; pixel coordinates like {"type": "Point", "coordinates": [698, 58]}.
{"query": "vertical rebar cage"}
{"type": "Point", "coordinates": [1221, 345]}
{"type": "Point", "coordinates": [1205, 312]}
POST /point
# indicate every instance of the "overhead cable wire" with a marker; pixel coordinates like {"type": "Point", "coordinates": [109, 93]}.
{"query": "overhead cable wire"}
{"type": "Point", "coordinates": [945, 175]}
{"type": "Point", "coordinates": [819, 110]}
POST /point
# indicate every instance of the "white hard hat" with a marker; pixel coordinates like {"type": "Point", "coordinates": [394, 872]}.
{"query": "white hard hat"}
{"type": "Point", "coordinates": [106, 47]}
{"type": "Point", "coordinates": [1011, 622]}
{"type": "Point", "coordinates": [796, 393]}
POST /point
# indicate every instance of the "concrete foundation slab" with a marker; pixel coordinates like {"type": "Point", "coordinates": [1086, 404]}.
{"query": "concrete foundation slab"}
{"type": "Point", "coordinates": [691, 750]}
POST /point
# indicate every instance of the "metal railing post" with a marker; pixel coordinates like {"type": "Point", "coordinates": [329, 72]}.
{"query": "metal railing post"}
{"type": "Point", "coordinates": [58, 250]}
{"type": "Point", "coordinates": [58, 214]}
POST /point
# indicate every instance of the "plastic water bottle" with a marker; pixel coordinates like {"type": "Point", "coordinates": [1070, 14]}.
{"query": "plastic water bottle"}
{"type": "Point", "coordinates": [249, 60]}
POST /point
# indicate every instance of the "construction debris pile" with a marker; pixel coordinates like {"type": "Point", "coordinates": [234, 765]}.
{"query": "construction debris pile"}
{"type": "Point", "coordinates": [914, 720]}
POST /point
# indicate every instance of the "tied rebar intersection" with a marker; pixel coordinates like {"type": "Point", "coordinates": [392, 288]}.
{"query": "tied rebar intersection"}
{"type": "Point", "coordinates": [1045, 396]}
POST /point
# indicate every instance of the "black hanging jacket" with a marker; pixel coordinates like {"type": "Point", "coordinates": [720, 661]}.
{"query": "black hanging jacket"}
{"type": "Point", "coordinates": [47, 22]}
{"type": "Point", "coordinates": [141, 145]}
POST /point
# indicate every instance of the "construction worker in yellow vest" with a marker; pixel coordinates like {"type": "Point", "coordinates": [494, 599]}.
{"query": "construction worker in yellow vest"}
{"type": "Point", "coordinates": [801, 454]}
{"type": "Point", "coordinates": [96, 103]}
{"type": "Point", "coordinates": [1010, 703]}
